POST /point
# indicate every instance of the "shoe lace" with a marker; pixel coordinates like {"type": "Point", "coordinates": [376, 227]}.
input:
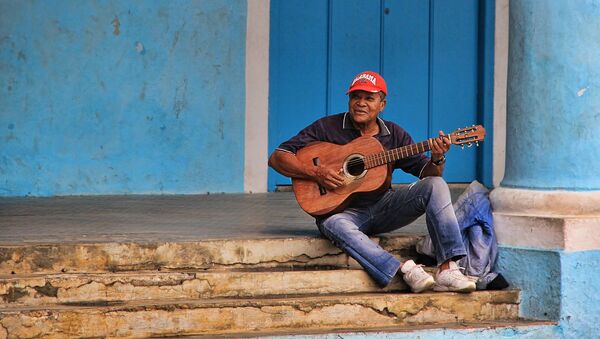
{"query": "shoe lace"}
{"type": "Point", "coordinates": [453, 272]}
{"type": "Point", "coordinates": [418, 271]}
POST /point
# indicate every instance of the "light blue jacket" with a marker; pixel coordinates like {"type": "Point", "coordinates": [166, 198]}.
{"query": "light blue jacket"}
{"type": "Point", "coordinates": [474, 213]}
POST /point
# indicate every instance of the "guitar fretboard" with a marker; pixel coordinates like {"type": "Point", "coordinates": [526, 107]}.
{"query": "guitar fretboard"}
{"type": "Point", "coordinates": [386, 157]}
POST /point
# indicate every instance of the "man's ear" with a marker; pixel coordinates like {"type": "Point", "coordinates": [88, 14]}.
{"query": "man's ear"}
{"type": "Point", "coordinates": [383, 103]}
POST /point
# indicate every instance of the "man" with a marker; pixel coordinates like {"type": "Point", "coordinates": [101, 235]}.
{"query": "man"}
{"type": "Point", "coordinates": [349, 230]}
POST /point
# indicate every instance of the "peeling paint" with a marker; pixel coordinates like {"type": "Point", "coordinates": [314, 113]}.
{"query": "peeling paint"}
{"type": "Point", "coordinates": [47, 290]}
{"type": "Point", "coordinates": [116, 25]}
{"type": "Point", "coordinates": [143, 94]}
{"type": "Point", "coordinates": [139, 47]}
{"type": "Point", "coordinates": [176, 37]}
{"type": "Point", "coordinates": [180, 100]}
{"type": "Point", "coordinates": [222, 129]}
{"type": "Point", "coordinates": [14, 294]}
{"type": "Point", "coordinates": [581, 92]}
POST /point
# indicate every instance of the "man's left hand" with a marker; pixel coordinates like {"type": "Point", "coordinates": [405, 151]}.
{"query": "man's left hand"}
{"type": "Point", "coordinates": [439, 146]}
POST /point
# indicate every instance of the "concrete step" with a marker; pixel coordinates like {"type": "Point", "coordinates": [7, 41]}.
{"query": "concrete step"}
{"type": "Point", "coordinates": [472, 330]}
{"type": "Point", "coordinates": [230, 316]}
{"type": "Point", "coordinates": [293, 252]}
{"type": "Point", "coordinates": [100, 288]}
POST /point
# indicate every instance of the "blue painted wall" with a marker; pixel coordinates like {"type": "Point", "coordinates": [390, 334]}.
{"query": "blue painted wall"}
{"type": "Point", "coordinates": [537, 274]}
{"type": "Point", "coordinates": [113, 97]}
{"type": "Point", "coordinates": [556, 285]}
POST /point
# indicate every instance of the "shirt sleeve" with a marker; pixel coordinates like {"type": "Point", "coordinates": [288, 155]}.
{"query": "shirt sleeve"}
{"type": "Point", "coordinates": [414, 164]}
{"type": "Point", "coordinates": [311, 133]}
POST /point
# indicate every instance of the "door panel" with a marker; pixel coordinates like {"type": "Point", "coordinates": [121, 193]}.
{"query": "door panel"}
{"type": "Point", "coordinates": [454, 65]}
{"type": "Point", "coordinates": [406, 69]}
{"type": "Point", "coordinates": [355, 46]}
{"type": "Point", "coordinates": [298, 70]}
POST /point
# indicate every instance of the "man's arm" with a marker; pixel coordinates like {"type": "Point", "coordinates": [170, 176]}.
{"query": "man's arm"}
{"type": "Point", "coordinates": [439, 147]}
{"type": "Point", "coordinates": [287, 164]}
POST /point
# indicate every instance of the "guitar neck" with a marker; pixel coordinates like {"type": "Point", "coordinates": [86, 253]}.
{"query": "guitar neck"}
{"type": "Point", "coordinates": [392, 155]}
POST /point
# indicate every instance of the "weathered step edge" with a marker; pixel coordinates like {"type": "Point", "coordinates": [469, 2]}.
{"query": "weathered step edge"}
{"type": "Point", "coordinates": [220, 316]}
{"type": "Point", "coordinates": [473, 330]}
{"type": "Point", "coordinates": [96, 289]}
{"type": "Point", "coordinates": [226, 253]}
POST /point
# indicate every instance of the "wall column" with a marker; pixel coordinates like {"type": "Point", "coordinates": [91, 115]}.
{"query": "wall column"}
{"type": "Point", "coordinates": [257, 97]}
{"type": "Point", "coordinates": [552, 175]}
{"type": "Point", "coordinates": [547, 208]}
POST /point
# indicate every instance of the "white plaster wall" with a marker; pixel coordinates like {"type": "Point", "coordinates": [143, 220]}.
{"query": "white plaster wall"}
{"type": "Point", "coordinates": [257, 97]}
{"type": "Point", "coordinates": [500, 74]}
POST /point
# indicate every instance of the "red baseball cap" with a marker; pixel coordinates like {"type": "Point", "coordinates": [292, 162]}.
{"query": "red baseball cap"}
{"type": "Point", "coordinates": [368, 81]}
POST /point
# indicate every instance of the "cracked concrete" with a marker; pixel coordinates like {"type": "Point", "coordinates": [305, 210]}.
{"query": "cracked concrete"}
{"type": "Point", "coordinates": [72, 288]}
{"type": "Point", "coordinates": [231, 316]}
{"type": "Point", "coordinates": [209, 254]}
{"type": "Point", "coordinates": [3, 332]}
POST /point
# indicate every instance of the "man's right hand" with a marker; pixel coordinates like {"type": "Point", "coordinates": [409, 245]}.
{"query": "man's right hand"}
{"type": "Point", "coordinates": [328, 177]}
{"type": "Point", "coordinates": [287, 164]}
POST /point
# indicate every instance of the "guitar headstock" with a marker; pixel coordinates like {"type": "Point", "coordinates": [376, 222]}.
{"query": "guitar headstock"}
{"type": "Point", "coordinates": [468, 136]}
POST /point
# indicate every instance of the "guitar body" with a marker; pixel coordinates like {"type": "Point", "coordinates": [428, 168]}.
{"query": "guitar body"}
{"type": "Point", "coordinates": [360, 182]}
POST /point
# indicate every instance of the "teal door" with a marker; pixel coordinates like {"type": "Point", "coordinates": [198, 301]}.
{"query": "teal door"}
{"type": "Point", "coordinates": [428, 52]}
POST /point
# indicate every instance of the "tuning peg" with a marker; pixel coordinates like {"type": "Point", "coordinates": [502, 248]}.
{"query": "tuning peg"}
{"type": "Point", "coordinates": [477, 143]}
{"type": "Point", "coordinates": [462, 146]}
{"type": "Point", "coordinates": [470, 144]}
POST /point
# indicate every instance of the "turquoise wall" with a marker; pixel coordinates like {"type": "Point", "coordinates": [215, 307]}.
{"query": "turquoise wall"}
{"type": "Point", "coordinates": [553, 95]}
{"type": "Point", "coordinates": [118, 97]}
{"type": "Point", "coordinates": [556, 285]}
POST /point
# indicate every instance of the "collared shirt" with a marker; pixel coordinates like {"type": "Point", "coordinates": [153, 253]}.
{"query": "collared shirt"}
{"type": "Point", "coordinates": [339, 129]}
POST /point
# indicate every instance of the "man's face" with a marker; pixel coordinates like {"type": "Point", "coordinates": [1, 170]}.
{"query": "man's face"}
{"type": "Point", "coordinates": [365, 106]}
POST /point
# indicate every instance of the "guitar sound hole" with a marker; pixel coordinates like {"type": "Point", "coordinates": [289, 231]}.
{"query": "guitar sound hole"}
{"type": "Point", "coordinates": [355, 166]}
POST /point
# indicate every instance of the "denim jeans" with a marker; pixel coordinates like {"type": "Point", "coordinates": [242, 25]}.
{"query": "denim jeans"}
{"type": "Point", "coordinates": [350, 229]}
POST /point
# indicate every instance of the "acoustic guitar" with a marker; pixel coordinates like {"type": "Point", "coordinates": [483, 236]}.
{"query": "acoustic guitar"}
{"type": "Point", "coordinates": [365, 166]}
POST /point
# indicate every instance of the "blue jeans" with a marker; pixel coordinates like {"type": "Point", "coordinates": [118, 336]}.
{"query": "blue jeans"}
{"type": "Point", "coordinates": [349, 230]}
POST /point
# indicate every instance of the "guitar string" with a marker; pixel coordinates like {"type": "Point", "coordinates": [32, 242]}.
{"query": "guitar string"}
{"type": "Point", "coordinates": [382, 157]}
{"type": "Point", "coordinates": [379, 157]}
{"type": "Point", "coordinates": [390, 154]}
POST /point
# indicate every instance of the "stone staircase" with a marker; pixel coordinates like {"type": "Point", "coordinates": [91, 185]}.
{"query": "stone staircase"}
{"type": "Point", "coordinates": [231, 288]}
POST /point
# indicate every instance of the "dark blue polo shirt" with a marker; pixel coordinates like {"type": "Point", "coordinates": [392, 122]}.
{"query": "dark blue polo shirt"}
{"type": "Point", "coordinates": [339, 129]}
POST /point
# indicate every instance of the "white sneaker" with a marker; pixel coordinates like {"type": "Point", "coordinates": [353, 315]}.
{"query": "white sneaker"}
{"type": "Point", "coordinates": [472, 278]}
{"type": "Point", "coordinates": [417, 279]}
{"type": "Point", "coordinates": [452, 280]}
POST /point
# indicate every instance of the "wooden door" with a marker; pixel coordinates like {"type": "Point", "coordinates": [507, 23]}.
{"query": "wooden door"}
{"type": "Point", "coordinates": [426, 50]}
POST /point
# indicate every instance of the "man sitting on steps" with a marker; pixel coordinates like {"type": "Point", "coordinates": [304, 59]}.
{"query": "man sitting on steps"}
{"type": "Point", "coordinates": [395, 208]}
